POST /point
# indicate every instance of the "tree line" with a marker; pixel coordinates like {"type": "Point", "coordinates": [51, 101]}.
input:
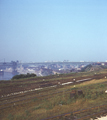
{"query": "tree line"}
{"type": "Point", "coordinates": [28, 75]}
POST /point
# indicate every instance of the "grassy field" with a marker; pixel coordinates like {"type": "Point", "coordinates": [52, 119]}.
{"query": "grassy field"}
{"type": "Point", "coordinates": [53, 101]}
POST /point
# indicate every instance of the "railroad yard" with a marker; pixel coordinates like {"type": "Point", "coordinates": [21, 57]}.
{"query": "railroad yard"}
{"type": "Point", "coordinates": [74, 96]}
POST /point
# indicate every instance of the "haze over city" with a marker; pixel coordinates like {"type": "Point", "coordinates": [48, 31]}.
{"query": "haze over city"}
{"type": "Point", "coordinates": [45, 30]}
{"type": "Point", "coordinates": [53, 59]}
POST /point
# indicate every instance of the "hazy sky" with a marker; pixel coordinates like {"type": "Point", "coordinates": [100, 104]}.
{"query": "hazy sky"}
{"type": "Point", "coordinates": [46, 30]}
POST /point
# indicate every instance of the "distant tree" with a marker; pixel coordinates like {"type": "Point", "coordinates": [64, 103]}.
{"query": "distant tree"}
{"type": "Point", "coordinates": [88, 66]}
{"type": "Point", "coordinates": [28, 75]}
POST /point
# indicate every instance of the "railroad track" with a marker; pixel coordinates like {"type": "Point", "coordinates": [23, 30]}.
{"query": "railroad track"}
{"type": "Point", "coordinates": [46, 96]}
{"type": "Point", "coordinates": [46, 86]}
{"type": "Point", "coordinates": [42, 84]}
{"type": "Point", "coordinates": [75, 114]}
{"type": "Point", "coordinates": [39, 97]}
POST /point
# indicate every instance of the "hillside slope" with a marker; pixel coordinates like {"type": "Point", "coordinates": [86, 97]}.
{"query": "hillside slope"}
{"type": "Point", "coordinates": [24, 99]}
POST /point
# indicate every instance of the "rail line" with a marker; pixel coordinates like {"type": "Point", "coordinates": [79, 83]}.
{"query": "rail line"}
{"type": "Point", "coordinates": [38, 98]}
{"type": "Point", "coordinates": [43, 95]}
{"type": "Point", "coordinates": [36, 89]}
{"type": "Point", "coordinates": [41, 84]}
{"type": "Point", "coordinates": [80, 111]}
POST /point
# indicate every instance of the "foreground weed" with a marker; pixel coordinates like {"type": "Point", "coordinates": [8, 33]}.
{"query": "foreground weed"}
{"type": "Point", "coordinates": [37, 107]}
{"type": "Point", "coordinates": [101, 85]}
{"type": "Point", "coordinates": [35, 99]}
{"type": "Point", "coordinates": [27, 113]}
{"type": "Point", "coordinates": [10, 117]}
{"type": "Point", "coordinates": [19, 117]}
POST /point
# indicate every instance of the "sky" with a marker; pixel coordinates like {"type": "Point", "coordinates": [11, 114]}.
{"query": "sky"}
{"type": "Point", "coordinates": [53, 30]}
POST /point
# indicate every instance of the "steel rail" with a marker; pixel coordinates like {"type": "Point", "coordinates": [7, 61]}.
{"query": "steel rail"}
{"type": "Point", "coordinates": [76, 112]}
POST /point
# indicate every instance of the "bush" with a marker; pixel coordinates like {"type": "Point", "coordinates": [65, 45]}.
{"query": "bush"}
{"type": "Point", "coordinates": [24, 76]}
{"type": "Point", "coordinates": [84, 69]}
{"type": "Point", "coordinates": [10, 117]}
{"type": "Point", "coordinates": [37, 107]}
{"type": "Point", "coordinates": [27, 113]}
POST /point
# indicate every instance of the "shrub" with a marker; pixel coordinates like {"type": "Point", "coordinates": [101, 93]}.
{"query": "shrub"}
{"type": "Point", "coordinates": [86, 67]}
{"type": "Point", "coordinates": [27, 113]}
{"type": "Point", "coordinates": [35, 99]}
{"type": "Point", "coordinates": [10, 117]}
{"type": "Point", "coordinates": [37, 107]}
{"type": "Point", "coordinates": [24, 76]}
{"type": "Point", "coordinates": [88, 96]}
{"type": "Point", "coordinates": [101, 85]}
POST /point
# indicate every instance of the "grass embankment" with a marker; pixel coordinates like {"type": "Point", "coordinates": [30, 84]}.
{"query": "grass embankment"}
{"type": "Point", "coordinates": [53, 103]}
